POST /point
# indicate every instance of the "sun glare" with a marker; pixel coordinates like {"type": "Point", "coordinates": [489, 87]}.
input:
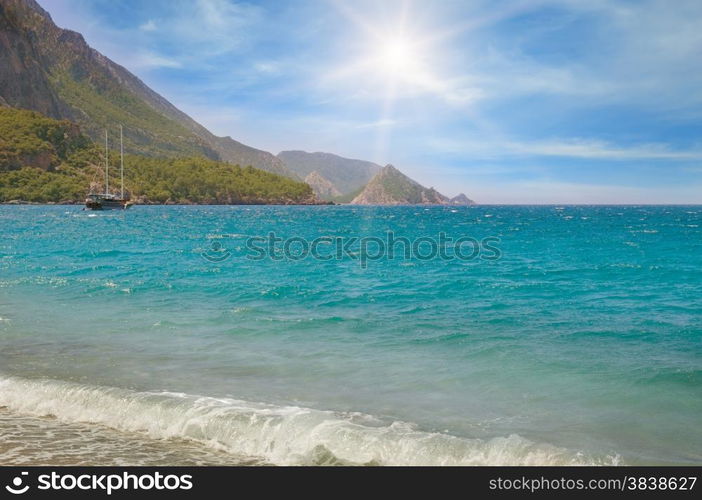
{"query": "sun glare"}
{"type": "Point", "coordinates": [396, 55]}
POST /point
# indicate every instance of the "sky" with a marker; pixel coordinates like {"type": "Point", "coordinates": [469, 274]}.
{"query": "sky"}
{"type": "Point", "coordinates": [541, 101]}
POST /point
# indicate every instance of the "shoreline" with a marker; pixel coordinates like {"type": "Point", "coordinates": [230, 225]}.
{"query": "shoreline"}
{"type": "Point", "coordinates": [76, 203]}
{"type": "Point", "coordinates": [31, 440]}
{"type": "Point", "coordinates": [267, 434]}
{"type": "Point", "coordinates": [66, 427]}
{"type": "Point", "coordinates": [331, 203]}
{"type": "Point", "coordinates": [225, 430]}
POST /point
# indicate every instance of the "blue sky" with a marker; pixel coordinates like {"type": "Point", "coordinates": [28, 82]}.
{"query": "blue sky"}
{"type": "Point", "coordinates": [543, 101]}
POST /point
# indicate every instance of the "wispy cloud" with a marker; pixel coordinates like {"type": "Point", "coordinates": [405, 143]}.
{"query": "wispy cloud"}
{"type": "Point", "coordinates": [217, 26]}
{"type": "Point", "coordinates": [267, 67]}
{"type": "Point", "coordinates": [149, 25]}
{"type": "Point", "coordinates": [149, 60]}
{"type": "Point", "coordinates": [635, 52]}
{"type": "Point", "coordinates": [602, 150]}
{"type": "Point", "coordinates": [565, 148]}
{"type": "Point", "coordinates": [556, 192]}
{"type": "Point", "coordinates": [386, 122]}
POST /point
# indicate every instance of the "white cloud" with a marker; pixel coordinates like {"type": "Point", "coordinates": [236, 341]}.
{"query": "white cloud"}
{"type": "Point", "coordinates": [550, 191]}
{"type": "Point", "coordinates": [267, 67]}
{"type": "Point", "coordinates": [150, 25]}
{"type": "Point", "coordinates": [384, 122]}
{"type": "Point", "coordinates": [644, 52]}
{"type": "Point", "coordinates": [212, 27]}
{"type": "Point", "coordinates": [601, 150]}
{"type": "Point", "coordinates": [147, 60]}
{"type": "Point", "coordinates": [567, 148]}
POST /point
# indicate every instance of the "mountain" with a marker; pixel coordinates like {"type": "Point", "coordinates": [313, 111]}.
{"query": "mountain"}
{"type": "Point", "coordinates": [343, 180]}
{"type": "Point", "coordinates": [461, 199]}
{"type": "Point", "coordinates": [43, 160]}
{"type": "Point", "coordinates": [392, 187]}
{"type": "Point", "coordinates": [322, 187]}
{"type": "Point", "coordinates": [54, 71]}
{"type": "Point", "coordinates": [29, 139]}
{"type": "Point", "coordinates": [344, 174]}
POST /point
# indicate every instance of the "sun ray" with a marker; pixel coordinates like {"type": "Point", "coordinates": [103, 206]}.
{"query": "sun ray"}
{"type": "Point", "coordinates": [395, 60]}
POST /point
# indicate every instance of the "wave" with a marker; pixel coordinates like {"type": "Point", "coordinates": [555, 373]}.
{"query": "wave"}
{"type": "Point", "coordinates": [281, 435]}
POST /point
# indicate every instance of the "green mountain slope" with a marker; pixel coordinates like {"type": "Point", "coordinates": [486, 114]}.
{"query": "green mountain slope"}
{"type": "Point", "coordinates": [45, 160]}
{"type": "Point", "coordinates": [28, 138]}
{"type": "Point", "coordinates": [54, 71]}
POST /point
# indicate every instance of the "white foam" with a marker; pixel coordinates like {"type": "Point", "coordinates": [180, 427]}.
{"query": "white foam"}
{"type": "Point", "coordinates": [284, 435]}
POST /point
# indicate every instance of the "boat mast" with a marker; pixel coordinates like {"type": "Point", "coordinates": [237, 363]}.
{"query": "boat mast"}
{"type": "Point", "coordinates": [121, 153]}
{"type": "Point", "coordinates": [107, 167]}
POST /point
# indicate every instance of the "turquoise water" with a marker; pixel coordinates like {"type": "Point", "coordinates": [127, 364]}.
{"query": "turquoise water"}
{"type": "Point", "coordinates": [580, 344]}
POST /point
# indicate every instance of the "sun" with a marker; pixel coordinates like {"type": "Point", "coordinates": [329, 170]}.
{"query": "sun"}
{"type": "Point", "coordinates": [396, 54]}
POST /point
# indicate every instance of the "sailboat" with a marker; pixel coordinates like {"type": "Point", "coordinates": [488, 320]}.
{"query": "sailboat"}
{"type": "Point", "coordinates": [107, 200]}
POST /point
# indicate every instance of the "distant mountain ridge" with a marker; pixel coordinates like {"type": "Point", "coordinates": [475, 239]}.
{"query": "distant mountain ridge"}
{"type": "Point", "coordinates": [345, 180]}
{"type": "Point", "coordinates": [461, 199]}
{"type": "Point", "coordinates": [344, 174]}
{"type": "Point", "coordinates": [54, 71]}
{"type": "Point", "coordinates": [392, 187]}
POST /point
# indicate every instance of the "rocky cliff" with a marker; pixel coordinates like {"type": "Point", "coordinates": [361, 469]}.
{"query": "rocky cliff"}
{"type": "Point", "coordinates": [392, 187]}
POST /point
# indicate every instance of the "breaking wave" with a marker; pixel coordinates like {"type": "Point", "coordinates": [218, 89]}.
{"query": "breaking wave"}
{"type": "Point", "coordinates": [281, 435]}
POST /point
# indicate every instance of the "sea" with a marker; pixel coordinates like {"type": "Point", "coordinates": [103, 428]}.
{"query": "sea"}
{"type": "Point", "coordinates": [348, 335]}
